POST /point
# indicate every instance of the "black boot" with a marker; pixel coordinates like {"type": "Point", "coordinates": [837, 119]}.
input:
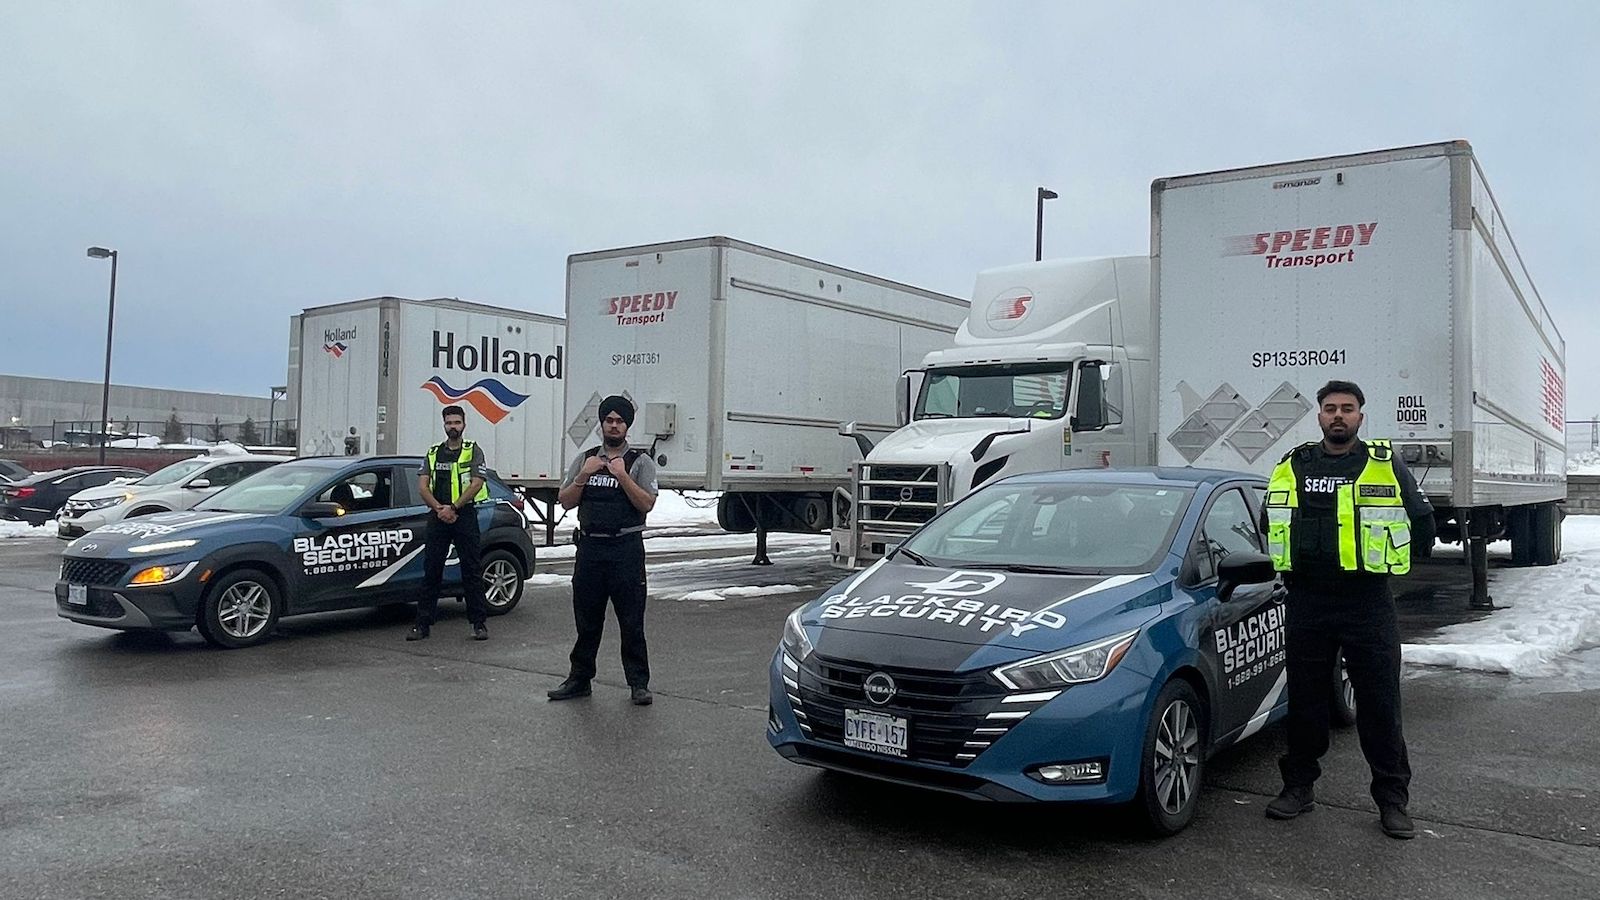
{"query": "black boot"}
{"type": "Point", "coordinates": [1291, 802]}
{"type": "Point", "coordinates": [569, 689]}
{"type": "Point", "coordinates": [641, 696]}
{"type": "Point", "coordinates": [1396, 822]}
{"type": "Point", "coordinates": [480, 632]}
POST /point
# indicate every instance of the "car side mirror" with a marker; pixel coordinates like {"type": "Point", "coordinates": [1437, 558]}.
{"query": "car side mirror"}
{"type": "Point", "coordinates": [200, 484]}
{"type": "Point", "coordinates": [1243, 568]}
{"type": "Point", "coordinates": [321, 510]}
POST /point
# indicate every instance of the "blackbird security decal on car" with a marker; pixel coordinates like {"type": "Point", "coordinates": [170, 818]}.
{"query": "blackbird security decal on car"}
{"type": "Point", "coordinates": [953, 601]}
{"type": "Point", "coordinates": [165, 523]}
{"type": "Point", "coordinates": [352, 551]}
{"type": "Point", "coordinates": [1252, 646]}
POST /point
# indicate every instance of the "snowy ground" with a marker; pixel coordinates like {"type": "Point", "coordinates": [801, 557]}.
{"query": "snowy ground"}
{"type": "Point", "coordinates": [10, 529]}
{"type": "Point", "coordinates": [1553, 613]}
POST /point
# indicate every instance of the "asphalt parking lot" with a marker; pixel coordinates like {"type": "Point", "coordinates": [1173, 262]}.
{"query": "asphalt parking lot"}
{"type": "Point", "coordinates": [340, 761]}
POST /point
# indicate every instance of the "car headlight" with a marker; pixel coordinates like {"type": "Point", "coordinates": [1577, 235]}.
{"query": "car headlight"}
{"type": "Point", "coordinates": [1086, 662]}
{"type": "Point", "coordinates": [161, 574]}
{"type": "Point", "coordinates": [795, 641]}
{"type": "Point", "coordinates": [104, 503]}
{"type": "Point", "coordinates": [162, 546]}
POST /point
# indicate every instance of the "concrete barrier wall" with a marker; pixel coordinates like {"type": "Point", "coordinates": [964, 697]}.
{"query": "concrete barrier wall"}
{"type": "Point", "coordinates": [1583, 495]}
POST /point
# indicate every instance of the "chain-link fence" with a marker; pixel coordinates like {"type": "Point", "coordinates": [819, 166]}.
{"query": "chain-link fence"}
{"type": "Point", "coordinates": [141, 434]}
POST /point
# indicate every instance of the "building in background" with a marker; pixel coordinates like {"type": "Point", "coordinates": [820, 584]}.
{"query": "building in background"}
{"type": "Point", "coordinates": [38, 410]}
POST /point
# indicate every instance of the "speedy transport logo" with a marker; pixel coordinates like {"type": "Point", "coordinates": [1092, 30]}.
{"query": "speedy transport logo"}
{"type": "Point", "coordinates": [492, 399]}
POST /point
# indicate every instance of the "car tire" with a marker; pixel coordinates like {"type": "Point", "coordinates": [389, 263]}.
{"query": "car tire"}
{"type": "Point", "coordinates": [503, 581]}
{"type": "Point", "coordinates": [240, 609]}
{"type": "Point", "coordinates": [1342, 703]}
{"type": "Point", "coordinates": [1173, 761]}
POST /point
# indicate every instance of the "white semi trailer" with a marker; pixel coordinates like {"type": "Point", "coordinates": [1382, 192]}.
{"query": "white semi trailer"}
{"type": "Point", "coordinates": [742, 362]}
{"type": "Point", "coordinates": [1393, 269]}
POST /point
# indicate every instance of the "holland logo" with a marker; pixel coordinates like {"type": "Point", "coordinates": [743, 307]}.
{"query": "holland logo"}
{"type": "Point", "coordinates": [337, 348]}
{"type": "Point", "coordinates": [493, 400]}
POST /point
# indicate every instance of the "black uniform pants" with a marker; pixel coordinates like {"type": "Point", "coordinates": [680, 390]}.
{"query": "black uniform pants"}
{"type": "Point", "coordinates": [610, 569]}
{"type": "Point", "coordinates": [1360, 621]}
{"type": "Point", "coordinates": [463, 532]}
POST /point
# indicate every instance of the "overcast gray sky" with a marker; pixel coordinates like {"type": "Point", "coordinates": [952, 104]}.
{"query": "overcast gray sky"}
{"type": "Point", "coordinates": [252, 159]}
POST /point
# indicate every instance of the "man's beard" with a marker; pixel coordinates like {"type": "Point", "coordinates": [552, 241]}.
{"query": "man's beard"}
{"type": "Point", "coordinates": [453, 434]}
{"type": "Point", "coordinates": [1339, 440]}
{"type": "Point", "coordinates": [614, 442]}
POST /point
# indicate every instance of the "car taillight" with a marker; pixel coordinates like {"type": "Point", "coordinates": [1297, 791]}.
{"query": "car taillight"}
{"type": "Point", "coordinates": [22, 493]}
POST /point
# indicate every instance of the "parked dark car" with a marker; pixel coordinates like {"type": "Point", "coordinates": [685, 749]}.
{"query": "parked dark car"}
{"type": "Point", "coordinates": [37, 498]}
{"type": "Point", "coordinates": [12, 471]}
{"type": "Point", "coordinates": [305, 536]}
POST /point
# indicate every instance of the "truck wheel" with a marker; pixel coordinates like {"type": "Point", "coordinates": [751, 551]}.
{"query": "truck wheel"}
{"type": "Point", "coordinates": [1173, 760]}
{"type": "Point", "coordinates": [240, 609]}
{"type": "Point", "coordinates": [733, 516]}
{"type": "Point", "coordinates": [1546, 534]}
{"type": "Point", "coordinates": [1342, 705]}
{"type": "Point", "coordinates": [503, 581]}
{"type": "Point", "coordinates": [1519, 528]}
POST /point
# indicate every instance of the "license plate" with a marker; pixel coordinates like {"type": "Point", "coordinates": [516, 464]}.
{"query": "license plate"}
{"type": "Point", "coordinates": [876, 732]}
{"type": "Point", "coordinates": [78, 594]}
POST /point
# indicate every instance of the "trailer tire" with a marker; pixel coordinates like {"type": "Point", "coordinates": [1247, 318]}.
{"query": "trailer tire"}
{"type": "Point", "coordinates": [1519, 529]}
{"type": "Point", "coordinates": [1546, 534]}
{"type": "Point", "coordinates": [733, 516]}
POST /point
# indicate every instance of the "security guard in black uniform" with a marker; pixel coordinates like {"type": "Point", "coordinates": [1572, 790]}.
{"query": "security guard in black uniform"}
{"type": "Point", "coordinates": [613, 488]}
{"type": "Point", "coordinates": [1341, 517]}
{"type": "Point", "coordinates": [453, 481]}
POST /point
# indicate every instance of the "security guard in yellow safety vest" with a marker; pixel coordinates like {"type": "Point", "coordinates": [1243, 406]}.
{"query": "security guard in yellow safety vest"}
{"type": "Point", "coordinates": [1342, 516]}
{"type": "Point", "coordinates": [453, 481]}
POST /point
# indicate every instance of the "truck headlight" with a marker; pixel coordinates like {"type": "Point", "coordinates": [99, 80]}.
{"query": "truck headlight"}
{"type": "Point", "coordinates": [1077, 665]}
{"type": "Point", "coordinates": [795, 641]}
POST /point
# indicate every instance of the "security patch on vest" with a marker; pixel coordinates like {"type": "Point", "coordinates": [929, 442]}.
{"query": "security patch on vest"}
{"type": "Point", "coordinates": [1376, 490]}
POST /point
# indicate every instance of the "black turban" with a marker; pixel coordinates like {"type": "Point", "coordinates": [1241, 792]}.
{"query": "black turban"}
{"type": "Point", "coordinates": [618, 404]}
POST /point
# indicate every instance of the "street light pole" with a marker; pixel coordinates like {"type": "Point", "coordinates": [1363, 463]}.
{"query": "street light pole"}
{"type": "Point", "coordinates": [111, 319]}
{"type": "Point", "coordinates": [1038, 223]}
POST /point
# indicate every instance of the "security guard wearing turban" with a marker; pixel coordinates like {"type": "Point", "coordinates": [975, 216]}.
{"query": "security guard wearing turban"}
{"type": "Point", "coordinates": [613, 487]}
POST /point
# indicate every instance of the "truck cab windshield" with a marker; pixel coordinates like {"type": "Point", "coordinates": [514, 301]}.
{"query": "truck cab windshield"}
{"type": "Point", "coordinates": [1036, 390]}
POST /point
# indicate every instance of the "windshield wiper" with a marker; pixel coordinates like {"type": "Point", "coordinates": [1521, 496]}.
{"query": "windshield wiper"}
{"type": "Point", "coordinates": [1028, 569]}
{"type": "Point", "coordinates": [912, 555]}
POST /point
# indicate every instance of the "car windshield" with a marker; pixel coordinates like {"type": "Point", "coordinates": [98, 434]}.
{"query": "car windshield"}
{"type": "Point", "coordinates": [174, 473]}
{"type": "Point", "coordinates": [268, 492]}
{"type": "Point", "coordinates": [1029, 389]}
{"type": "Point", "coordinates": [1072, 527]}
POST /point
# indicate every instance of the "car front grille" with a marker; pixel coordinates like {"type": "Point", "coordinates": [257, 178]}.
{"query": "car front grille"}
{"type": "Point", "coordinates": [101, 605]}
{"type": "Point", "coordinates": [910, 498]}
{"type": "Point", "coordinates": [951, 717]}
{"type": "Point", "coordinates": [93, 571]}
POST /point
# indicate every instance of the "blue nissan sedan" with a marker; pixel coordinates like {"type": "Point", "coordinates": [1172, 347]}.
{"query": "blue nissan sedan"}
{"type": "Point", "coordinates": [309, 535]}
{"type": "Point", "coordinates": [1081, 636]}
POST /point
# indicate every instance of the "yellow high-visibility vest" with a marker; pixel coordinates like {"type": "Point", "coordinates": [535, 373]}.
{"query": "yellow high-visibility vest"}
{"type": "Point", "coordinates": [1374, 529]}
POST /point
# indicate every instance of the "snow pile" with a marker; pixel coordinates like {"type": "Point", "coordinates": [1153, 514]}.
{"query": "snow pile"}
{"type": "Point", "coordinates": [755, 590]}
{"type": "Point", "coordinates": [1584, 463]}
{"type": "Point", "coordinates": [10, 529]}
{"type": "Point", "coordinates": [680, 508]}
{"type": "Point", "coordinates": [1553, 612]}
{"type": "Point", "coordinates": [540, 578]}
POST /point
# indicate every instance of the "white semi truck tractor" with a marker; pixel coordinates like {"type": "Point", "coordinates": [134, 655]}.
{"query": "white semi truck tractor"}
{"type": "Point", "coordinates": [1052, 369]}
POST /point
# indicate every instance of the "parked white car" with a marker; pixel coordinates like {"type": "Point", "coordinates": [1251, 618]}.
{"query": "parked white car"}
{"type": "Point", "coordinates": [177, 487]}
